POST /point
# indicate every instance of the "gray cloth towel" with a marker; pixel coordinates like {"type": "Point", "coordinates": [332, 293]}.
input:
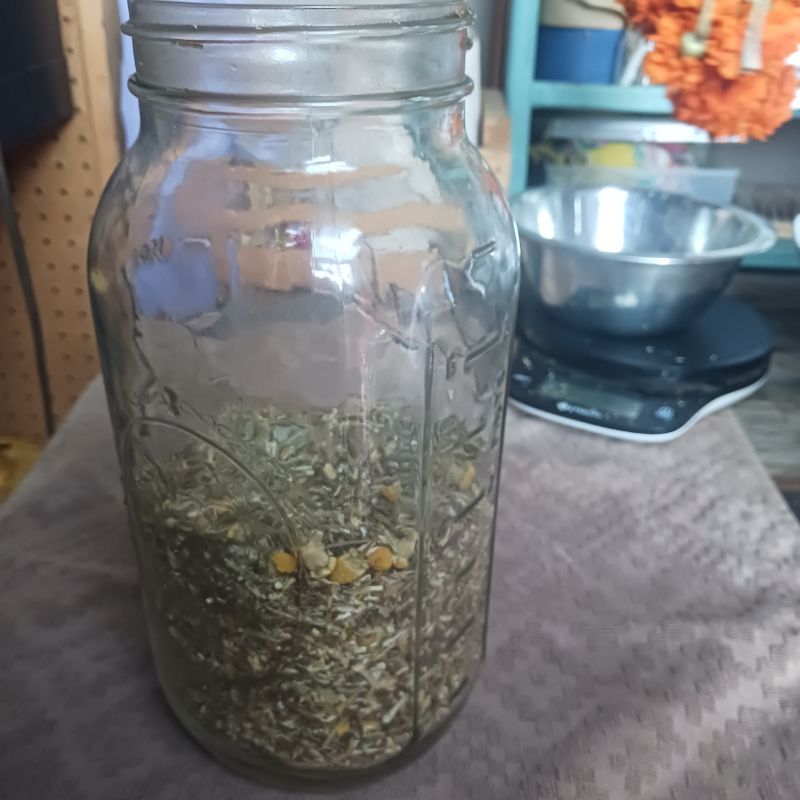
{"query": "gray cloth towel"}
{"type": "Point", "coordinates": [644, 635]}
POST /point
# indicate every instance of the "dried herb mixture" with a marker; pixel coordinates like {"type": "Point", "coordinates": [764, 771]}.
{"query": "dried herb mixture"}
{"type": "Point", "coordinates": [316, 582]}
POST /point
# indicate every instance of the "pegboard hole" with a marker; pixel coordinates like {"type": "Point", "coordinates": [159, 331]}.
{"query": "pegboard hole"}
{"type": "Point", "coordinates": [46, 241]}
{"type": "Point", "coordinates": [59, 314]}
{"type": "Point", "coordinates": [55, 291]}
{"type": "Point", "coordinates": [66, 358]}
{"type": "Point", "coordinates": [67, 217]}
{"type": "Point", "coordinates": [71, 243]}
{"type": "Point", "coordinates": [75, 267]}
{"type": "Point", "coordinates": [85, 337]}
{"type": "Point", "coordinates": [63, 191]}
{"type": "Point", "coordinates": [62, 335]}
{"type": "Point", "coordinates": [82, 314]}
{"type": "Point", "coordinates": [89, 193]}
{"type": "Point", "coordinates": [51, 266]}
{"type": "Point", "coordinates": [88, 358]}
{"type": "Point", "coordinates": [79, 291]}
{"type": "Point", "coordinates": [59, 165]}
{"type": "Point", "coordinates": [38, 190]}
{"type": "Point", "coordinates": [42, 216]}
{"type": "Point", "coordinates": [82, 138]}
{"type": "Point", "coordinates": [86, 166]}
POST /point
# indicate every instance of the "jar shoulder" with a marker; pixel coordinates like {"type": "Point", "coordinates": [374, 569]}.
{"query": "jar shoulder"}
{"type": "Point", "coordinates": [392, 203]}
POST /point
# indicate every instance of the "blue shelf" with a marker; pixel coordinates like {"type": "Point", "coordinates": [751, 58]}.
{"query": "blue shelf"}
{"type": "Point", "coordinates": [525, 96]}
{"type": "Point", "coordinates": [598, 97]}
{"type": "Point", "coordinates": [784, 256]}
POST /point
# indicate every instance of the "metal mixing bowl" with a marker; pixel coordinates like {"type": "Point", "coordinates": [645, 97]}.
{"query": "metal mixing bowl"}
{"type": "Point", "coordinates": [629, 261]}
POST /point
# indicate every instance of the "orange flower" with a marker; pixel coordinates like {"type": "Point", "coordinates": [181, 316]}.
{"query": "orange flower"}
{"type": "Point", "coordinates": [713, 91]}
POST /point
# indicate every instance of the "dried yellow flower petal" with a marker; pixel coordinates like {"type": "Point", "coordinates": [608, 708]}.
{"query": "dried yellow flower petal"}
{"type": "Point", "coordinates": [406, 546]}
{"type": "Point", "coordinates": [348, 569]}
{"type": "Point", "coordinates": [329, 471]}
{"type": "Point", "coordinates": [313, 553]}
{"type": "Point", "coordinates": [467, 477]}
{"type": "Point", "coordinates": [370, 726]}
{"type": "Point", "coordinates": [324, 572]}
{"type": "Point", "coordinates": [236, 531]}
{"type": "Point", "coordinates": [284, 562]}
{"type": "Point", "coordinates": [342, 728]}
{"type": "Point", "coordinates": [391, 492]}
{"type": "Point", "coordinates": [99, 281]}
{"type": "Point", "coordinates": [398, 562]}
{"type": "Point", "coordinates": [380, 559]}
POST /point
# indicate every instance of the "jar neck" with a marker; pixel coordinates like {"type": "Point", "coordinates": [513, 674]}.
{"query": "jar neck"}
{"type": "Point", "coordinates": [293, 56]}
{"type": "Point", "coordinates": [263, 137]}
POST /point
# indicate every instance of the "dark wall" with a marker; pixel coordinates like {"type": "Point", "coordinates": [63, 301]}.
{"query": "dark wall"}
{"type": "Point", "coordinates": [34, 84]}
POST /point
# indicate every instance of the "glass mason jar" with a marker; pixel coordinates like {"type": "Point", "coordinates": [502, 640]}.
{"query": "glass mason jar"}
{"type": "Point", "coordinates": [304, 281]}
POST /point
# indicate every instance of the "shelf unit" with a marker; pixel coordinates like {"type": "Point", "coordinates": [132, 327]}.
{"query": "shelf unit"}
{"type": "Point", "coordinates": [525, 95]}
{"type": "Point", "coordinates": [588, 97]}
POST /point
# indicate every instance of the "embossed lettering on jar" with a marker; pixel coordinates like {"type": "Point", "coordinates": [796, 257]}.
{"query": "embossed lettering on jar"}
{"type": "Point", "coordinates": [304, 280]}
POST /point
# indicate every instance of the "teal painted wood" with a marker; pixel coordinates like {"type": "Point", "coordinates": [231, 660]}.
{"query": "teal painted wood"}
{"type": "Point", "coordinates": [599, 97]}
{"type": "Point", "coordinates": [784, 256]}
{"type": "Point", "coordinates": [523, 34]}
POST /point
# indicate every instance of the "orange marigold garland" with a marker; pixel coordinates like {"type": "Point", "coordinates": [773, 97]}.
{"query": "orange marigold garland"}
{"type": "Point", "coordinates": [712, 91]}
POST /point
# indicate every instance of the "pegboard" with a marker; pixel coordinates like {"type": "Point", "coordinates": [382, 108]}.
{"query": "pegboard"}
{"type": "Point", "coordinates": [55, 187]}
{"type": "Point", "coordinates": [21, 408]}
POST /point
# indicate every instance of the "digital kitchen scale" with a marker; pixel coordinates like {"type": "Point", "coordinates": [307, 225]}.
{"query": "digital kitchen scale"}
{"type": "Point", "coordinates": [638, 388]}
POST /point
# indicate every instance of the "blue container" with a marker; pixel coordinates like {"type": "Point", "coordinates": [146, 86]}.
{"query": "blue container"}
{"type": "Point", "coordinates": [577, 55]}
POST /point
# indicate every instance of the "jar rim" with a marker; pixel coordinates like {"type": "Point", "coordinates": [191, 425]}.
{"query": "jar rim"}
{"type": "Point", "coordinates": [299, 53]}
{"type": "Point", "coordinates": [243, 35]}
{"type": "Point", "coordinates": [259, 20]}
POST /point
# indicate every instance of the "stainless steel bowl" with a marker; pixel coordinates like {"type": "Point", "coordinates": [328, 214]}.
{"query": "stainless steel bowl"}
{"type": "Point", "coordinates": [629, 261]}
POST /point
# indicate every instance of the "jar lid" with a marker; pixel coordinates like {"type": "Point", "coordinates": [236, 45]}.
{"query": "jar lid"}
{"type": "Point", "coordinates": [297, 53]}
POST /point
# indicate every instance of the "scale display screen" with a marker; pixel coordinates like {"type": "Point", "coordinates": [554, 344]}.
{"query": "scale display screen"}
{"type": "Point", "coordinates": [586, 397]}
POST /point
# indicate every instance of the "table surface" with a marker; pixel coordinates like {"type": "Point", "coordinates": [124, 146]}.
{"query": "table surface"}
{"type": "Point", "coordinates": [644, 634]}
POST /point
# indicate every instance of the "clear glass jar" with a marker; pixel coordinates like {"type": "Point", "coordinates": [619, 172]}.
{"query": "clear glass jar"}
{"type": "Point", "coordinates": [304, 280]}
